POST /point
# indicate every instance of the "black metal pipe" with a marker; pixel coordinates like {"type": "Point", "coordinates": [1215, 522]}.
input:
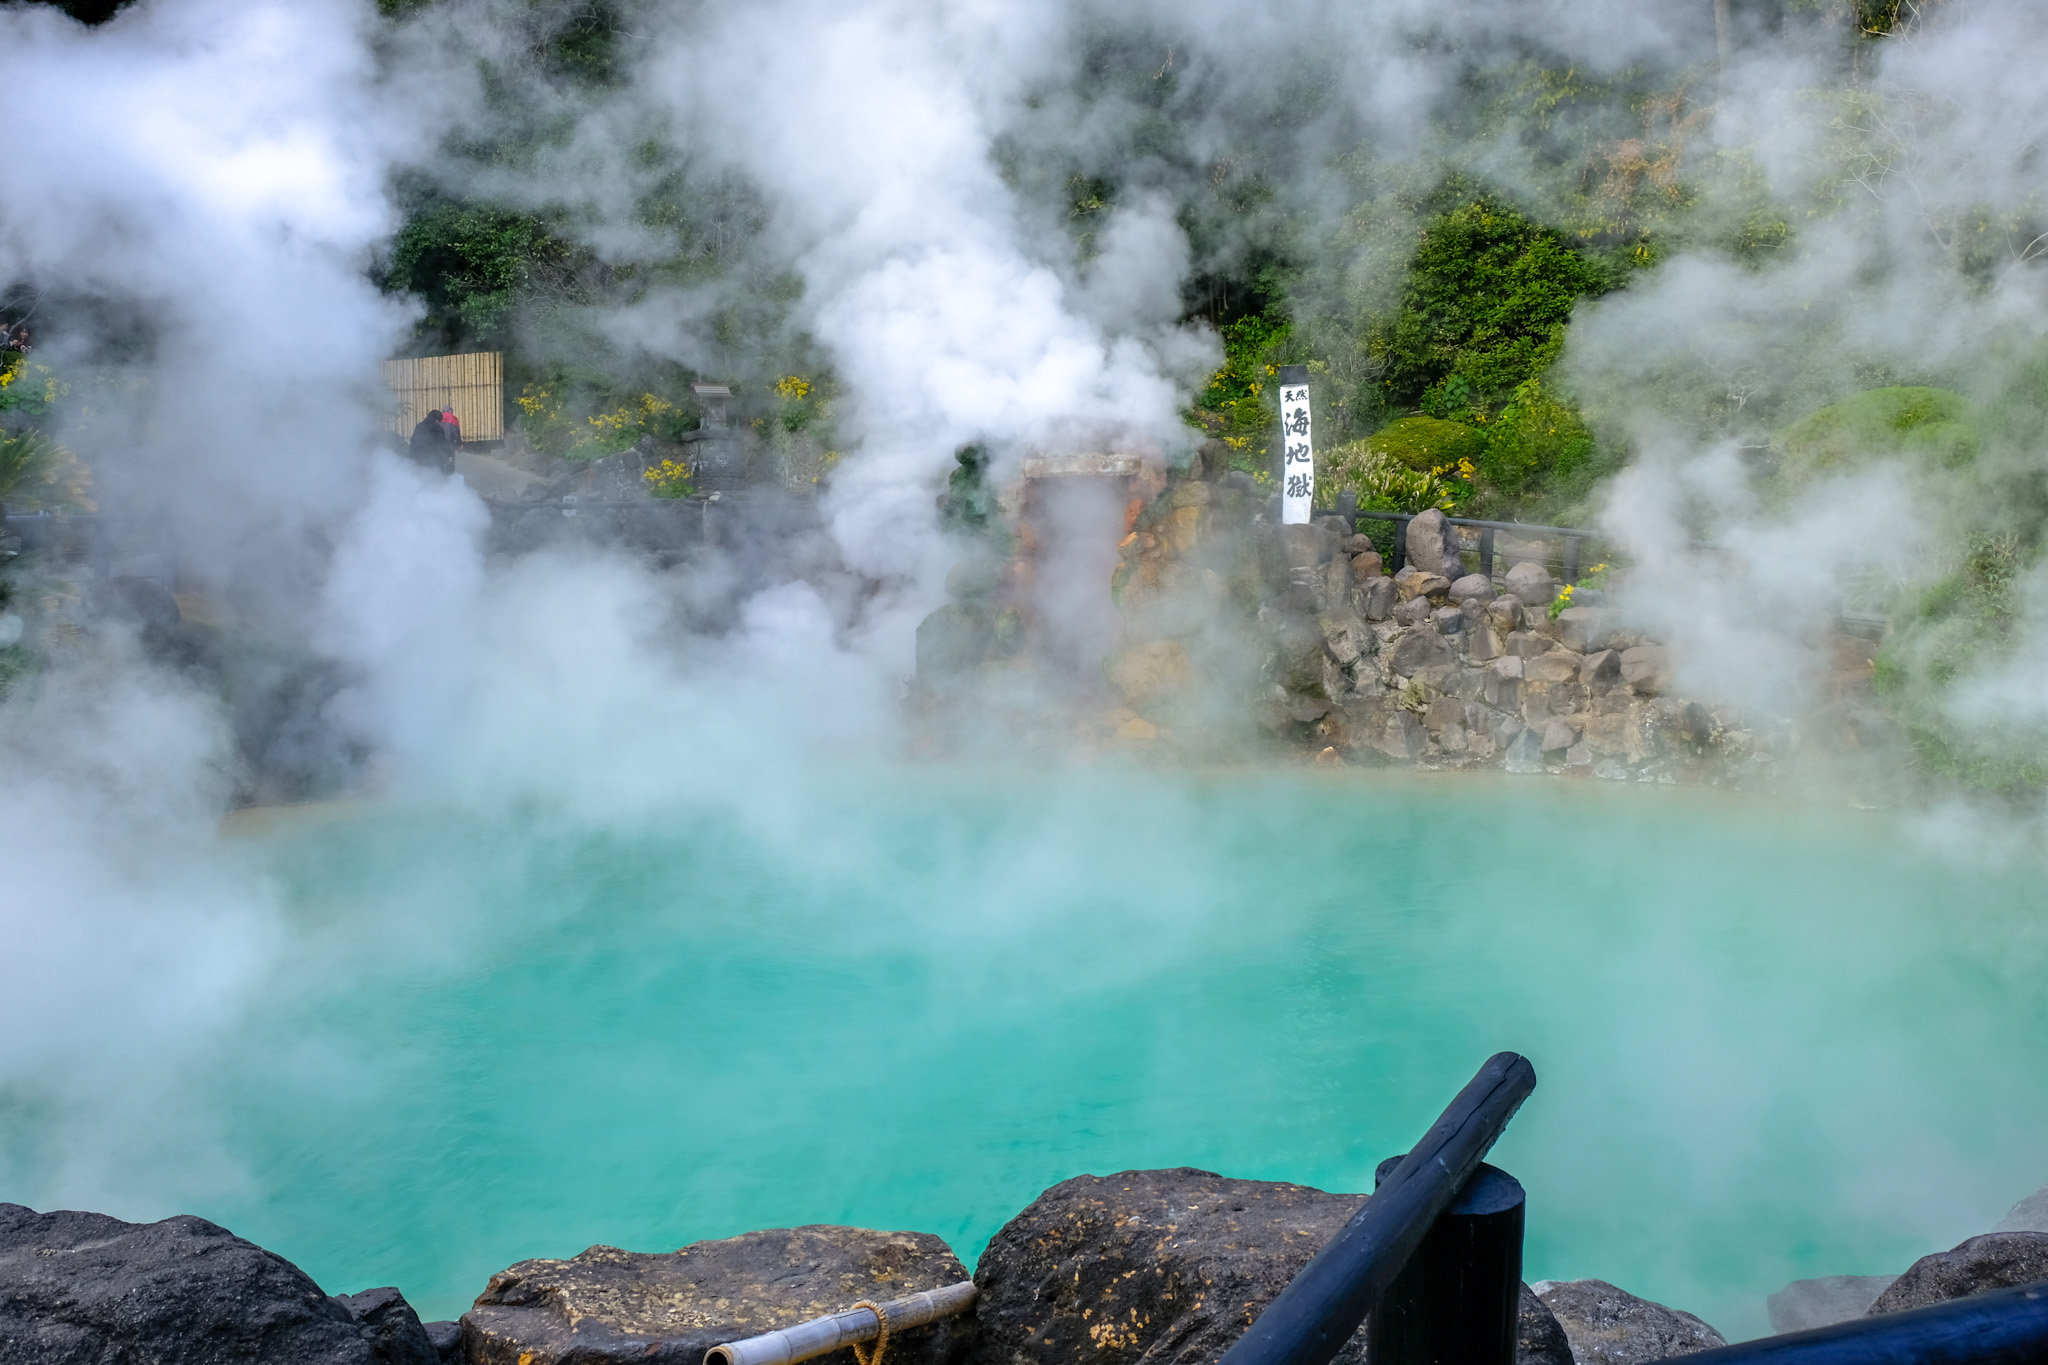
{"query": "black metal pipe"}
{"type": "Point", "coordinates": [2004, 1327]}
{"type": "Point", "coordinates": [1322, 1306]}
{"type": "Point", "coordinates": [1459, 1298]}
{"type": "Point", "coordinates": [1401, 520]}
{"type": "Point", "coordinates": [1495, 525]}
{"type": "Point", "coordinates": [1486, 551]}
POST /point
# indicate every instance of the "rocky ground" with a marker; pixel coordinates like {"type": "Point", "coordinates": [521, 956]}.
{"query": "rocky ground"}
{"type": "Point", "coordinates": [1233, 627]}
{"type": "Point", "coordinates": [1139, 1268]}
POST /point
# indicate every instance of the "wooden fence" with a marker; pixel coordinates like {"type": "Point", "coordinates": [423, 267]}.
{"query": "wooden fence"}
{"type": "Point", "coordinates": [473, 385]}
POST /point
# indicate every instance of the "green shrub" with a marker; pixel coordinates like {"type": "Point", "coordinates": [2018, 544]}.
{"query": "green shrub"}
{"type": "Point", "coordinates": [1240, 404]}
{"type": "Point", "coordinates": [470, 264]}
{"type": "Point", "coordinates": [1489, 293]}
{"type": "Point", "coordinates": [1537, 443]}
{"type": "Point", "coordinates": [1426, 443]}
{"type": "Point", "coordinates": [1952, 631]}
{"type": "Point", "coordinates": [1932, 425]}
{"type": "Point", "coordinates": [1386, 483]}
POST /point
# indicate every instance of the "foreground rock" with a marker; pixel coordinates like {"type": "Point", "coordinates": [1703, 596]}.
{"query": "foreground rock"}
{"type": "Point", "coordinates": [85, 1287]}
{"type": "Point", "coordinates": [1164, 1266]}
{"type": "Point", "coordinates": [1997, 1260]}
{"type": "Point", "coordinates": [2029, 1215]}
{"type": "Point", "coordinates": [1608, 1326]}
{"type": "Point", "coordinates": [396, 1336]}
{"type": "Point", "coordinates": [1822, 1302]}
{"type": "Point", "coordinates": [673, 1306]}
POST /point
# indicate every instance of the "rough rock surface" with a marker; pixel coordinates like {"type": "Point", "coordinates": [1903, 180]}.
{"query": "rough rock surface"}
{"type": "Point", "coordinates": [1433, 545]}
{"type": "Point", "coordinates": [1422, 647]}
{"type": "Point", "coordinates": [1646, 668]}
{"type": "Point", "coordinates": [1147, 1265]}
{"type": "Point", "coordinates": [1532, 584]}
{"type": "Point", "coordinates": [2029, 1215]}
{"type": "Point", "coordinates": [673, 1306]}
{"type": "Point", "coordinates": [1997, 1260]}
{"type": "Point", "coordinates": [83, 1287]}
{"type": "Point", "coordinates": [1587, 630]}
{"type": "Point", "coordinates": [1473, 587]}
{"type": "Point", "coordinates": [1165, 1266]}
{"type": "Point", "coordinates": [394, 1331]}
{"type": "Point", "coordinates": [1609, 1326]}
{"type": "Point", "coordinates": [1539, 1337]}
{"type": "Point", "coordinates": [1804, 1304]}
{"type": "Point", "coordinates": [447, 1340]}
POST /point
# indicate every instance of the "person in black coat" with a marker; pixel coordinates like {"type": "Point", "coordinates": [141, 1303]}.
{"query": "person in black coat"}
{"type": "Point", "coordinates": [431, 444]}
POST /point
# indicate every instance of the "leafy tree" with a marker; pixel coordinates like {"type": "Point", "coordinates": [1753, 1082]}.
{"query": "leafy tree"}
{"type": "Point", "coordinates": [1489, 293]}
{"type": "Point", "coordinates": [471, 264]}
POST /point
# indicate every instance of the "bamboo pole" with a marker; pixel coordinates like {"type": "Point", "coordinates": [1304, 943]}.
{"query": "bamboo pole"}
{"type": "Point", "coordinates": [807, 1340]}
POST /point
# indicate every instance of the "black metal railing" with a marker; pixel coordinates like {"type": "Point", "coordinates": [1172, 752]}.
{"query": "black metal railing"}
{"type": "Point", "coordinates": [1574, 537]}
{"type": "Point", "coordinates": [2004, 1327]}
{"type": "Point", "coordinates": [1433, 1266]}
{"type": "Point", "coordinates": [1323, 1305]}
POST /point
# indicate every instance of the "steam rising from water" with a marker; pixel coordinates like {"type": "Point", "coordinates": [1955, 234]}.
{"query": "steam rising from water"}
{"type": "Point", "coordinates": [211, 178]}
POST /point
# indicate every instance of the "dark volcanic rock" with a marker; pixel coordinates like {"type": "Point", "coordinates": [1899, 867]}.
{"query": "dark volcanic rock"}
{"type": "Point", "coordinates": [1608, 1326]}
{"type": "Point", "coordinates": [447, 1340]}
{"type": "Point", "coordinates": [1150, 1266]}
{"type": "Point", "coordinates": [1997, 1260]}
{"type": "Point", "coordinates": [1539, 1339]}
{"type": "Point", "coordinates": [83, 1287]}
{"type": "Point", "coordinates": [387, 1322]}
{"type": "Point", "coordinates": [1166, 1268]}
{"type": "Point", "coordinates": [671, 1307]}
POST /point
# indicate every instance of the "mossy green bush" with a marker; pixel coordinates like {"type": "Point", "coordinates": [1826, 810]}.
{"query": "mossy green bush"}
{"type": "Point", "coordinates": [1241, 402]}
{"type": "Point", "coordinates": [1934, 426]}
{"type": "Point", "coordinates": [1540, 457]}
{"type": "Point", "coordinates": [471, 264]}
{"type": "Point", "coordinates": [1426, 443]}
{"type": "Point", "coordinates": [1489, 293]}
{"type": "Point", "coordinates": [1953, 630]}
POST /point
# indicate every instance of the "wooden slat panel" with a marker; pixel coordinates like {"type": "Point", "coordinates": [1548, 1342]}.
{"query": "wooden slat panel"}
{"type": "Point", "coordinates": [473, 384]}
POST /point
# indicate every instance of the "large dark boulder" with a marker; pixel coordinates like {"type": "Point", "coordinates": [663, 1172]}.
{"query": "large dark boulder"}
{"type": "Point", "coordinates": [1609, 1326]}
{"type": "Point", "coordinates": [86, 1289]}
{"type": "Point", "coordinates": [671, 1307]}
{"type": "Point", "coordinates": [1997, 1260]}
{"type": "Point", "coordinates": [1539, 1336]}
{"type": "Point", "coordinates": [394, 1331]}
{"type": "Point", "coordinates": [1165, 1267]}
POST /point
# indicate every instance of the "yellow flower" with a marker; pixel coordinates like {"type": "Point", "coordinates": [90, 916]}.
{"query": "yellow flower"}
{"type": "Point", "coordinates": [793, 387]}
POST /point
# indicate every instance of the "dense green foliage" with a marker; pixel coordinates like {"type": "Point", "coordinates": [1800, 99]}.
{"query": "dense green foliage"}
{"type": "Point", "coordinates": [471, 266]}
{"type": "Point", "coordinates": [1240, 404]}
{"type": "Point", "coordinates": [1488, 295]}
{"type": "Point", "coordinates": [1426, 443]}
{"type": "Point", "coordinates": [1931, 425]}
{"type": "Point", "coordinates": [1951, 632]}
{"type": "Point", "coordinates": [1541, 459]}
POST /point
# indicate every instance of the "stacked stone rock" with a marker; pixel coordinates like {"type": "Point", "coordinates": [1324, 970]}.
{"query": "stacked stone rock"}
{"type": "Point", "coordinates": [1233, 623]}
{"type": "Point", "coordinates": [1437, 665]}
{"type": "Point", "coordinates": [1139, 1268]}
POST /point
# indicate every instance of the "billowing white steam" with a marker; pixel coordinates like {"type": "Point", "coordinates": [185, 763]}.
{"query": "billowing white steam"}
{"type": "Point", "coordinates": [220, 169]}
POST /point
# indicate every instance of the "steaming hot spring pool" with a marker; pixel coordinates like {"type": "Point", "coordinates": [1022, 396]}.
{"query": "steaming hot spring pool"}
{"type": "Point", "coordinates": [1773, 1042]}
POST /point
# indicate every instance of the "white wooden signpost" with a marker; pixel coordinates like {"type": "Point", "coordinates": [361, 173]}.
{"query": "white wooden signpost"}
{"type": "Point", "coordinates": [1297, 447]}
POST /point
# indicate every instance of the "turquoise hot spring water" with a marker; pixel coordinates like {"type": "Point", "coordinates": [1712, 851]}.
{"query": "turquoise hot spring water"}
{"type": "Point", "coordinates": [1773, 1041]}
